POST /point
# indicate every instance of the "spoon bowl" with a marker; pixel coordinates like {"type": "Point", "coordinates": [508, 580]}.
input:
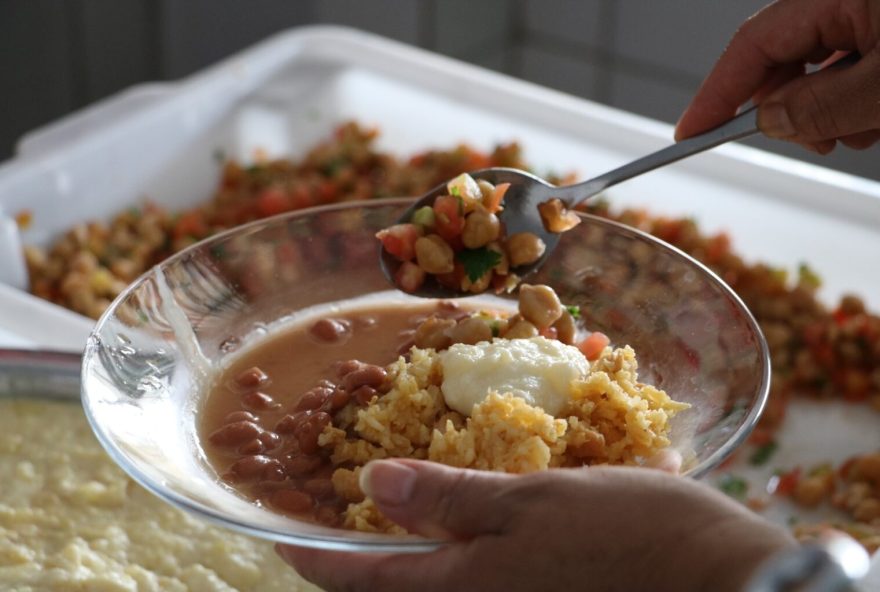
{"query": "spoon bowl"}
{"type": "Point", "coordinates": [527, 191]}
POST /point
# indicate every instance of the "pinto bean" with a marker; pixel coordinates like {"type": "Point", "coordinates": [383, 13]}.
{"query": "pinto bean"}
{"type": "Point", "coordinates": [254, 446]}
{"type": "Point", "coordinates": [328, 515]}
{"type": "Point", "coordinates": [291, 500]}
{"type": "Point", "coordinates": [257, 401]}
{"type": "Point", "coordinates": [330, 330]}
{"type": "Point", "coordinates": [319, 487]}
{"type": "Point", "coordinates": [313, 398]}
{"type": "Point", "coordinates": [347, 367]}
{"type": "Point", "coordinates": [300, 465]}
{"type": "Point", "coordinates": [337, 400]}
{"type": "Point", "coordinates": [255, 467]}
{"type": "Point", "coordinates": [252, 378]}
{"type": "Point", "coordinates": [363, 395]}
{"type": "Point", "coordinates": [270, 440]}
{"type": "Point", "coordinates": [235, 434]}
{"type": "Point", "coordinates": [237, 416]}
{"type": "Point", "coordinates": [368, 374]}
{"type": "Point", "coordinates": [311, 428]}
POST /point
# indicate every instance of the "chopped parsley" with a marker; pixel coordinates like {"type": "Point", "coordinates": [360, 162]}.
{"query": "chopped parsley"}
{"type": "Point", "coordinates": [763, 453]}
{"type": "Point", "coordinates": [574, 310]}
{"type": "Point", "coordinates": [477, 262]}
{"type": "Point", "coordinates": [455, 191]}
{"type": "Point", "coordinates": [734, 486]}
{"type": "Point", "coordinates": [807, 277]}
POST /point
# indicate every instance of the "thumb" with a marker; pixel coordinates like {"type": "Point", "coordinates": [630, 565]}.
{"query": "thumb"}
{"type": "Point", "coordinates": [435, 500]}
{"type": "Point", "coordinates": [827, 105]}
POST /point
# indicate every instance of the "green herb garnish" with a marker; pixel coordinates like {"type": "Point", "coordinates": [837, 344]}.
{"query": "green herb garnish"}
{"type": "Point", "coordinates": [734, 486]}
{"type": "Point", "coordinates": [763, 453]}
{"type": "Point", "coordinates": [455, 191]}
{"type": "Point", "coordinates": [574, 310]}
{"type": "Point", "coordinates": [807, 277]}
{"type": "Point", "coordinates": [477, 262]}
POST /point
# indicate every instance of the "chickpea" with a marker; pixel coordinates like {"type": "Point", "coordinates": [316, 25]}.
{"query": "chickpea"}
{"type": "Point", "coordinates": [812, 490]}
{"type": "Point", "coordinates": [433, 333]}
{"type": "Point", "coordinates": [471, 330]}
{"type": "Point", "coordinates": [566, 332]}
{"type": "Point", "coordinates": [503, 266]}
{"type": "Point", "coordinates": [540, 305]}
{"type": "Point", "coordinates": [434, 255]}
{"type": "Point", "coordinates": [521, 330]}
{"type": "Point", "coordinates": [524, 248]}
{"type": "Point", "coordinates": [486, 188]}
{"type": "Point", "coordinates": [479, 286]}
{"type": "Point", "coordinates": [480, 229]}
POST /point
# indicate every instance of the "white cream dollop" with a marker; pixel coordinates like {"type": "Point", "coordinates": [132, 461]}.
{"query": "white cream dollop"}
{"type": "Point", "coordinates": [538, 370]}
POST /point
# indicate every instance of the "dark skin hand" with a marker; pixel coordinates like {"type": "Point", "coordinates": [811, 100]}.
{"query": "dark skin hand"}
{"type": "Point", "coordinates": [766, 60]}
{"type": "Point", "coordinates": [601, 528]}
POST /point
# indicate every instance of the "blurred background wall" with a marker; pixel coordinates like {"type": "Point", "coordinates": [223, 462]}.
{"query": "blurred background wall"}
{"type": "Point", "coordinates": [646, 56]}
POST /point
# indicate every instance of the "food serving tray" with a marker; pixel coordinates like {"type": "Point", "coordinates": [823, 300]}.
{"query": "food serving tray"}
{"type": "Point", "coordinates": [161, 142]}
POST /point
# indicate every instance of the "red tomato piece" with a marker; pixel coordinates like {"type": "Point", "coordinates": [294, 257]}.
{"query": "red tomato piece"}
{"type": "Point", "coordinates": [449, 218]}
{"type": "Point", "coordinates": [272, 201]}
{"type": "Point", "coordinates": [593, 345]}
{"type": "Point", "coordinates": [788, 481]}
{"type": "Point", "coordinates": [400, 240]}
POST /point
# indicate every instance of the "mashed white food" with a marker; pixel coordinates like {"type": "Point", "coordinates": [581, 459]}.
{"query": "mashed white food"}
{"type": "Point", "coordinates": [71, 520]}
{"type": "Point", "coordinates": [537, 370]}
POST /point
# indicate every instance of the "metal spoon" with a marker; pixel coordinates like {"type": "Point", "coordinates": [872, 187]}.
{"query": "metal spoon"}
{"type": "Point", "coordinates": [520, 213]}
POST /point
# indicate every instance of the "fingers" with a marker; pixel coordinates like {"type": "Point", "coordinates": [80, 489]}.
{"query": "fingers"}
{"type": "Point", "coordinates": [435, 500]}
{"type": "Point", "coordinates": [861, 140]}
{"type": "Point", "coordinates": [667, 460]}
{"type": "Point", "coordinates": [353, 572]}
{"type": "Point", "coordinates": [826, 105]}
{"type": "Point", "coordinates": [788, 31]}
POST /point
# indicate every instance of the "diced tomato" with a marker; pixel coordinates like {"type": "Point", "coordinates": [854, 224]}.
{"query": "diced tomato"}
{"type": "Point", "coordinates": [593, 345]}
{"type": "Point", "coordinates": [272, 201]}
{"type": "Point", "coordinates": [400, 240]}
{"type": "Point", "coordinates": [719, 245]}
{"type": "Point", "coordinates": [449, 218]}
{"type": "Point", "coordinates": [409, 277]}
{"type": "Point", "coordinates": [493, 203]}
{"type": "Point", "coordinates": [190, 224]}
{"type": "Point", "coordinates": [327, 192]}
{"type": "Point", "coordinates": [788, 482]}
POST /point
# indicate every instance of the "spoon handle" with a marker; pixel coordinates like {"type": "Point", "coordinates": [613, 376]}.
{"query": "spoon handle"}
{"type": "Point", "coordinates": [743, 125]}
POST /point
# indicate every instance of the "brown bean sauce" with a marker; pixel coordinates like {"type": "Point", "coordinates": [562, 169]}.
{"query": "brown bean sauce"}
{"type": "Point", "coordinates": [260, 422]}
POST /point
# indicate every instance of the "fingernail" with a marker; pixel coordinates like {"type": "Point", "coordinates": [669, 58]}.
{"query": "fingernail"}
{"type": "Point", "coordinates": [774, 122]}
{"type": "Point", "coordinates": [388, 482]}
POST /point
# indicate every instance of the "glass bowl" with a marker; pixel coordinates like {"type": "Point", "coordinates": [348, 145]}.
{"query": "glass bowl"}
{"type": "Point", "coordinates": [153, 352]}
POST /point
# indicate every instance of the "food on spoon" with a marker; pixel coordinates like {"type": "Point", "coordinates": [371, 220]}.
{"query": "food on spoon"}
{"type": "Point", "coordinates": [475, 387]}
{"type": "Point", "coordinates": [556, 217]}
{"type": "Point", "coordinates": [460, 242]}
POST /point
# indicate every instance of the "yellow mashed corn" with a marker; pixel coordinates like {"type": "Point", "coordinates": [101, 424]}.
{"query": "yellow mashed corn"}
{"type": "Point", "coordinates": [610, 417]}
{"type": "Point", "coordinates": [70, 520]}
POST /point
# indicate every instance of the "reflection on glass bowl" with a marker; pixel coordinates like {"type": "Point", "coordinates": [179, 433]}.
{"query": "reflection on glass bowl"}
{"type": "Point", "coordinates": [156, 349]}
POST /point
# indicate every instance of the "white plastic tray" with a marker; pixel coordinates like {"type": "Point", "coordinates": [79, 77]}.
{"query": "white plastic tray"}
{"type": "Point", "coordinates": [282, 95]}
